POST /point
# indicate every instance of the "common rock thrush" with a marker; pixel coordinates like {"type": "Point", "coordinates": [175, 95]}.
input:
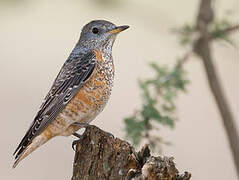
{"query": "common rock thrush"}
{"type": "Point", "coordinates": [80, 90]}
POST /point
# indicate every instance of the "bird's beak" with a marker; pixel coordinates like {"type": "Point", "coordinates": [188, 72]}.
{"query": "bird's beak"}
{"type": "Point", "coordinates": [118, 29]}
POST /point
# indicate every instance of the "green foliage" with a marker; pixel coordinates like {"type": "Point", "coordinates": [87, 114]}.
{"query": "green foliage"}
{"type": "Point", "coordinates": [160, 91]}
{"type": "Point", "coordinates": [185, 34]}
{"type": "Point", "coordinates": [158, 95]}
{"type": "Point", "coordinates": [217, 30]}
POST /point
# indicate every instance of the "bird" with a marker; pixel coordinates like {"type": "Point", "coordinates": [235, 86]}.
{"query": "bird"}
{"type": "Point", "coordinates": [79, 92]}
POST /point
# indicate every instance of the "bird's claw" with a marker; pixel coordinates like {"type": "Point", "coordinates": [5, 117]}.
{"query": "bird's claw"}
{"type": "Point", "coordinates": [81, 125]}
{"type": "Point", "coordinates": [74, 143]}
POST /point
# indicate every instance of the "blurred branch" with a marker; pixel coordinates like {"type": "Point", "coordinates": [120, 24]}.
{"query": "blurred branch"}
{"type": "Point", "coordinates": [218, 29]}
{"type": "Point", "coordinates": [229, 29]}
{"type": "Point", "coordinates": [158, 108]}
{"type": "Point", "coordinates": [203, 49]}
{"type": "Point", "coordinates": [101, 156]}
{"type": "Point", "coordinates": [185, 58]}
{"type": "Point", "coordinates": [159, 92]}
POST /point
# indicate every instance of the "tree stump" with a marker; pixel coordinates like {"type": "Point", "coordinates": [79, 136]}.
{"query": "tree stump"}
{"type": "Point", "coordinates": [101, 156]}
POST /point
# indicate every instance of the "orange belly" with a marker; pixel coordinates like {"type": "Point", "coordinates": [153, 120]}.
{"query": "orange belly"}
{"type": "Point", "coordinates": [83, 107]}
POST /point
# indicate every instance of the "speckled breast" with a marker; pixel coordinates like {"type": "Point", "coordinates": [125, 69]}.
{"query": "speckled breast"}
{"type": "Point", "coordinates": [90, 100]}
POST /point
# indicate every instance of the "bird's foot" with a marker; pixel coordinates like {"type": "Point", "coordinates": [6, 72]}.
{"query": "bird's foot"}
{"type": "Point", "coordinates": [77, 135]}
{"type": "Point", "coordinates": [75, 142]}
{"type": "Point", "coordinates": [81, 125]}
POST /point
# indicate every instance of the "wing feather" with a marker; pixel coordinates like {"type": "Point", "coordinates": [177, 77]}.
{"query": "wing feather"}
{"type": "Point", "coordinates": [70, 79]}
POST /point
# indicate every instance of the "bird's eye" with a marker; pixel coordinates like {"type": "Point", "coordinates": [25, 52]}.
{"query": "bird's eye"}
{"type": "Point", "coordinates": [95, 30]}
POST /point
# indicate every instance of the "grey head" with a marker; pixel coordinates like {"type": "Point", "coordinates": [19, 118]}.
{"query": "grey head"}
{"type": "Point", "coordinates": [99, 34]}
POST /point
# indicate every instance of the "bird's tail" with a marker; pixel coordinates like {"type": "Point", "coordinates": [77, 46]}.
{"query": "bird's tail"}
{"type": "Point", "coordinates": [37, 142]}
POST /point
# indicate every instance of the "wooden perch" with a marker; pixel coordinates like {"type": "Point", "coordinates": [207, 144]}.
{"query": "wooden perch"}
{"type": "Point", "coordinates": [101, 156]}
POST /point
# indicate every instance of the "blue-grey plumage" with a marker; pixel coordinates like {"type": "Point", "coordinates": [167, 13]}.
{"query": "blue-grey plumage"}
{"type": "Point", "coordinates": [79, 92]}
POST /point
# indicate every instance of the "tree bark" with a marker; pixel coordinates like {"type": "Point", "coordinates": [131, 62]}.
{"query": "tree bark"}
{"type": "Point", "coordinates": [203, 49]}
{"type": "Point", "coordinates": [101, 156]}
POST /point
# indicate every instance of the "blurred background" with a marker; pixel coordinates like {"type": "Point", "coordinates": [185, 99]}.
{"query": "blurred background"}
{"type": "Point", "coordinates": [37, 36]}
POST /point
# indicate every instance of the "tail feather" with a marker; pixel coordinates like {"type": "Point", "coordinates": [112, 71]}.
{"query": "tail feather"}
{"type": "Point", "coordinates": [25, 151]}
{"type": "Point", "coordinates": [23, 144]}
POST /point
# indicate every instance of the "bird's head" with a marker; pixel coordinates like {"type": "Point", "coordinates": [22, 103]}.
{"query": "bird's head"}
{"type": "Point", "coordinates": [99, 33]}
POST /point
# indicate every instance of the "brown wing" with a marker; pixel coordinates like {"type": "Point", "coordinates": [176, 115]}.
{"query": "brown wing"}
{"type": "Point", "coordinates": [70, 79]}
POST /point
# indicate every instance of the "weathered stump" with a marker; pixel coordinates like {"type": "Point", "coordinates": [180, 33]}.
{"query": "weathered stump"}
{"type": "Point", "coordinates": [101, 156]}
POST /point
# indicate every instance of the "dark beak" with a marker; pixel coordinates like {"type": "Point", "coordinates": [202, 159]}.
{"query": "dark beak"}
{"type": "Point", "coordinates": [118, 29]}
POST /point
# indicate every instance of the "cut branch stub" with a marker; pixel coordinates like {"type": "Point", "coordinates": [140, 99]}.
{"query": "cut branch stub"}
{"type": "Point", "coordinates": [101, 156]}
